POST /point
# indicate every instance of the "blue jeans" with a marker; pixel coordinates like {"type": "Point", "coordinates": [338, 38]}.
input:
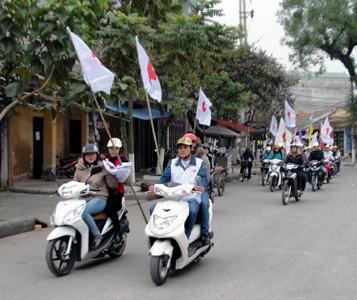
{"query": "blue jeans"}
{"type": "Point", "coordinates": [94, 206]}
{"type": "Point", "coordinates": [210, 184]}
{"type": "Point", "coordinates": [194, 207]}
{"type": "Point", "coordinates": [323, 170]}
{"type": "Point", "coordinates": [204, 210]}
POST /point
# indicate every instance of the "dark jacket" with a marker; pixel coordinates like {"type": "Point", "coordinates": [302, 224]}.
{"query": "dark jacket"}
{"type": "Point", "coordinates": [316, 155]}
{"type": "Point", "coordinates": [248, 154]}
{"type": "Point", "coordinates": [298, 158]}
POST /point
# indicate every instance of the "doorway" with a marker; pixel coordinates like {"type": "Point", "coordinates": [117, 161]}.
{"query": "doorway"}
{"type": "Point", "coordinates": [37, 147]}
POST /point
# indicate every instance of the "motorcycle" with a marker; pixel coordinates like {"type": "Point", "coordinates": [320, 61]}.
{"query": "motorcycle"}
{"type": "Point", "coordinates": [290, 184]}
{"type": "Point", "coordinates": [275, 173]}
{"type": "Point", "coordinates": [315, 175]}
{"type": "Point", "coordinates": [165, 232]}
{"type": "Point", "coordinates": [67, 167]}
{"type": "Point", "coordinates": [329, 169]}
{"type": "Point", "coordinates": [71, 238]}
{"type": "Point", "coordinates": [337, 164]}
{"type": "Point", "coordinates": [264, 171]}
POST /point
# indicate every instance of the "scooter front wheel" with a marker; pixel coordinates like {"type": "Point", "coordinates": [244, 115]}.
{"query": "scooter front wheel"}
{"type": "Point", "coordinates": [286, 193]}
{"type": "Point", "coordinates": [159, 268]}
{"type": "Point", "coordinates": [58, 262]}
{"type": "Point", "coordinates": [273, 183]}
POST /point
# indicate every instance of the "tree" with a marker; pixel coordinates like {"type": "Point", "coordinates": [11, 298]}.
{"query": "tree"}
{"type": "Point", "coordinates": [316, 29]}
{"type": "Point", "coordinates": [37, 57]}
{"type": "Point", "coordinates": [265, 84]}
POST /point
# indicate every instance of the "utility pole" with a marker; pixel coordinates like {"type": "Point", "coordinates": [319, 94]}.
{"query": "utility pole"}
{"type": "Point", "coordinates": [243, 15]}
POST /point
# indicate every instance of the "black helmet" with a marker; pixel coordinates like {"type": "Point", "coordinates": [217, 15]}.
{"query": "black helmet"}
{"type": "Point", "coordinates": [90, 148]}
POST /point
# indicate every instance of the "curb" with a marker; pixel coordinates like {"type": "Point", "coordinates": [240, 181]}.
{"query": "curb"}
{"type": "Point", "coordinates": [16, 226]}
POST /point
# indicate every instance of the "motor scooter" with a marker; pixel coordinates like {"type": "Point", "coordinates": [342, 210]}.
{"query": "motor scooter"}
{"type": "Point", "coordinates": [165, 232]}
{"type": "Point", "coordinates": [275, 173]}
{"type": "Point", "coordinates": [290, 184]}
{"type": "Point", "coordinates": [71, 239]}
{"type": "Point", "coordinates": [264, 170]}
{"type": "Point", "coordinates": [329, 169]}
{"type": "Point", "coordinates": [315, 175]}
{"type": "Point", "coordinates": [67, 167]}
{"type": "Point", "coordinates": [337, 165]}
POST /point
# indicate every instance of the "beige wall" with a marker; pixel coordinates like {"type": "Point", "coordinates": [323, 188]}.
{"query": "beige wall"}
{"type": "Point", "coordinates": [55, 140]}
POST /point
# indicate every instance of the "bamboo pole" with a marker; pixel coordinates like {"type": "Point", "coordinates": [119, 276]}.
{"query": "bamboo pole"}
{"type": "Point", "coordinates": [117, 154]}
{"type": "Point", "coordinates": [153, 131]}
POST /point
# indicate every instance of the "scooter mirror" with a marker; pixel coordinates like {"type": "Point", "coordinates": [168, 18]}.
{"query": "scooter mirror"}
{"type": "Point", "coordinates": [198, 178]}
{"type": "Point", "coordinates": [95, 170]}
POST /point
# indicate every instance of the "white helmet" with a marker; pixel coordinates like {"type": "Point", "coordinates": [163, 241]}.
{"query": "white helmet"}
{"type": "Point", "coordinates": [268, 148]}
{"type": "Point", "coordinates": [316, 144]}
{"type": "Point", "coordinates": [115, 142]}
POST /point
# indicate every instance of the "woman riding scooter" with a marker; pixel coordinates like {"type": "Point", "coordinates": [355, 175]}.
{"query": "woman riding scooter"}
{"type": "Point", "coordinates": [297, 158]}
{"type": "Point", "coordinates": [99, 182]}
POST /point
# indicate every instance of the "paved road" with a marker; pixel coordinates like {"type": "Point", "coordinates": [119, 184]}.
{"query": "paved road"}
{"type": "Point", "coordinates": [263, 250]}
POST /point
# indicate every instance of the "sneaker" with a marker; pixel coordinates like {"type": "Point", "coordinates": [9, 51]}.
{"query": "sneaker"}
{"type": "Point", "coordinates": [205, 239]}
{"type": "Point", "coordinates": [325, 181]}
{"type": "Point", "coordinates": [96, 242]}
{"type": "Point", "coordinates": [248, 179]}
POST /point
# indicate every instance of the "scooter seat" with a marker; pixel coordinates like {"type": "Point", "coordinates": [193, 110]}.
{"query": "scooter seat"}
{"type": "Point", "coordinates": [100, 216]}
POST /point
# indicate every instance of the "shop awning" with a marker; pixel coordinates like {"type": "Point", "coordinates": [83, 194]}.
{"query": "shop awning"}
{"type": "Point", "coordinates": [239, 127]}
{"type": "Point", "coordinates": [220, 131]}
{"type": "Point", "coordinates": [139, 113]}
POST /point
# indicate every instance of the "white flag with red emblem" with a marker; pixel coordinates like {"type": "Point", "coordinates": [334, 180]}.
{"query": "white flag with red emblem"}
{"type": "Point", "coordinates": [283, 136]}
{"type": "Point", "coordinates": [203, 113]}
{"type": "Point", "coordinates": [151, 81]}
{"type": "Point", "coordinates": [290, 116]}
{"type": "Point", "coordinates": [94, 73]}
{"type": "Point", "coordinates": [274, 126]}
{"type": "Point", "coordinates": [326, 132]}
{"type": "Point", "coordinates": [314, 138]}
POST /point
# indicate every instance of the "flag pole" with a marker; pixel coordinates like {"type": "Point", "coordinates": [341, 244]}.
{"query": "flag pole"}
{"type": "Point", "coordinates": [153, 131]}
{"type": "Point", "coordinates": [117, 154]}
{"type": "Point", "coordinates": [194, 126]}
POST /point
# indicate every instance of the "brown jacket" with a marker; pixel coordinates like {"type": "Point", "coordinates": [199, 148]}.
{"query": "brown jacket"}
{"type": "Point", "coordinates": [200, 153]}
{"type": "Point", "coordinates": [298, 158]}
{"type": "Point", "coordinates": [97, 181]}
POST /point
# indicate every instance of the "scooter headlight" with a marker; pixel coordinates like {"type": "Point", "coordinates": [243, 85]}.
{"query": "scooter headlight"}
{"type": "Point", "coordinates": [163, 223]}
{"type": "Point", "coordinates": [73, 213]}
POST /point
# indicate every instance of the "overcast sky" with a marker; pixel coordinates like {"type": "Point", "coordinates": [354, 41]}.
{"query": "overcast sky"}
{"type": "Point", "coordinates": [264, 30]}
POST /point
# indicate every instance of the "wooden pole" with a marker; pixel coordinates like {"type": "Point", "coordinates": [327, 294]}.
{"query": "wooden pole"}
{"type": "Point", "coordinates": [194, 127]}
{"type": "Point", "coordinates": [153, 131]}
{"type": "Point", "coordinates": [117, 154]}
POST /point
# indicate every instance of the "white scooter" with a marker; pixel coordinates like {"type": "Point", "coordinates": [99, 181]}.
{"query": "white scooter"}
{"type": "Point", "coordinates": [275, 173]}
{"type": "Point", "coordinates": [70, 239]}
{"type": "Point", "coordinates": [169, 246]}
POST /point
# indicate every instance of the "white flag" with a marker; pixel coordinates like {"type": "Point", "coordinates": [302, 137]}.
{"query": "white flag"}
{"type": "Point", "coordinates": [94, 73]}
{"type": "Point", "coordinates": [312, 118]}
{"type": "Point", "coordinates": [283, 136]}
{"type": "Point", "coordinates": [290, 116]}
{"type": "Point", "coordinates": [326, 133]}
{"type": "Point", "coordinates": [203, 113]}
{"type": "Point", "coordinates": [151, 81]}
{"type": "Point", "coordinates": [274, 126]}
{"type": "Point", "coordinates": [314, 138]}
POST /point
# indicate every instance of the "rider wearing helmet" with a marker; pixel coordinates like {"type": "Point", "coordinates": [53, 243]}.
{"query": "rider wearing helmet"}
{"type": "Point", "coordinates": [276, 153]}
{"type": "Point", "coordinates": [114, 203]}
{"type": "Point", "coordinates": [266, 153]}
{"type": "Point", "coordinates": [297, 158]}
{"type": "Point", "coordinates": [184, 169]}
{"type": "Point", "coordinates": [317, 154]}
{"type": "Point", "coordinates": [100, 181]}
{"type": "Point", "coordinates": [204, 207]}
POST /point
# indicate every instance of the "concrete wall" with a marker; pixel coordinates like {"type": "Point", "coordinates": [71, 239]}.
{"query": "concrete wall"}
{"type": "Point", "coordinates": [318, 93]}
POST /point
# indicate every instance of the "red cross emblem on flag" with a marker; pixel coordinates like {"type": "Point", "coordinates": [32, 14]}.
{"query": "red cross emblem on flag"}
{"type": "Point", "coordinates": [284, 137]}
{"type": "Point", "coordinates": [151, 72]}
{"type": "Point", "coordinates": [289, 115]}
{"type": "Point", "coordinates": [204, 106]}
{"type": "Point", "coordinates": [327, 130]}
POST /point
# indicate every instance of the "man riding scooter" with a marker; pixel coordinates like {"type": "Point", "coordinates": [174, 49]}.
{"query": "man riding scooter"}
{"type": "Point", "coordinates": [184, 170]}
{"type": "Point", "coordinates": [318, 155]}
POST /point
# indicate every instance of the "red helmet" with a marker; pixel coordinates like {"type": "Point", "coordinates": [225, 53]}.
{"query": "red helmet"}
{"type": "Point", "coordinates": [192, 137]}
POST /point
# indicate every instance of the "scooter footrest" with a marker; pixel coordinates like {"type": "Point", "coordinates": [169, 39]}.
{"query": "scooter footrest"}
{"type": "Point", "coordinates": [192, 248]}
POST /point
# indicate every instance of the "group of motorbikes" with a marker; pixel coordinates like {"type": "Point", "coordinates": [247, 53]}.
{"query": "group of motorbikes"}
{"type": "Point", "coordinates": [169, 247]}
{"type": "Point", "coordinates": [277, 174]}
